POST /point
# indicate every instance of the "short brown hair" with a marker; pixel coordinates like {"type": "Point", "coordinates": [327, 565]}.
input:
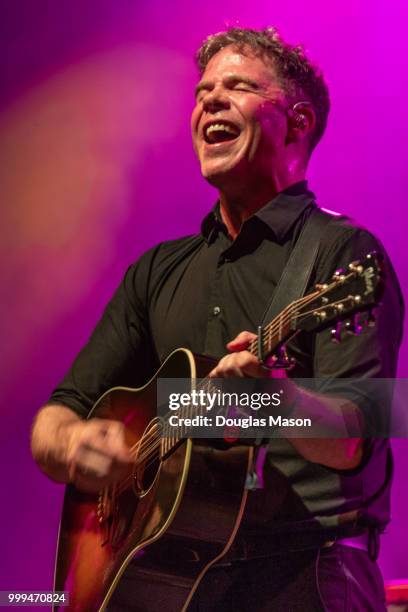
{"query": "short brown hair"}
{"type": "Point", "coordinates": [297, 74]}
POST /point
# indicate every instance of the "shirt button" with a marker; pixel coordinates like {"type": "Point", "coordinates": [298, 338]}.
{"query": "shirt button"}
{"type": "Point", "coordinates": [216, 311]}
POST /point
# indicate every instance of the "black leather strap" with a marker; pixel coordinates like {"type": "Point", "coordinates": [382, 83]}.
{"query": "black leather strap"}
{"type": "Point", "coordinates": [296, 274]}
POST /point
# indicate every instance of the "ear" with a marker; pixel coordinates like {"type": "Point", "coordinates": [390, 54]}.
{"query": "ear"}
{"type": "Point", "coordinates": [301, 121]}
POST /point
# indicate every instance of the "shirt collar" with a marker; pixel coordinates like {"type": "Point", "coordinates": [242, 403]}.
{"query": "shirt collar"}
{"type": "Point", "coordinates": [279, 214]}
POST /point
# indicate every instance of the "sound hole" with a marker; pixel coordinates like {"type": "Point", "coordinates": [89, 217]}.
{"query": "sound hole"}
{"type": "Point", "coordinates": [148, 458]}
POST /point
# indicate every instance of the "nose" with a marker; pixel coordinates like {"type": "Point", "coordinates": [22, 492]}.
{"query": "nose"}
{"type": "Point", "coordinates": [215, 100]}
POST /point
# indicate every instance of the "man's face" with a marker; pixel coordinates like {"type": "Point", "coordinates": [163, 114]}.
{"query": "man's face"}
{"type": "Point", "coordinates": [239, 123]}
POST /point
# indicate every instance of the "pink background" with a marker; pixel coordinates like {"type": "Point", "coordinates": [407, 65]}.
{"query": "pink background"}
{"type": "Point", "coordinates": [96, 166]}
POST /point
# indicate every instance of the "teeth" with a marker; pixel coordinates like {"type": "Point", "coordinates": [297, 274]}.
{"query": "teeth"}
{"type": "Point", "coordinates": [216, 127]}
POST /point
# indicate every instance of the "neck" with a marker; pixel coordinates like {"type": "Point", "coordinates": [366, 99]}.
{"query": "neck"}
{"type": "Point", "coordinates": [237, 205]}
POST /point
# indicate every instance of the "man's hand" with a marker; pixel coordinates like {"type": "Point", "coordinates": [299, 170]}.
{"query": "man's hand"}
{"type": "Point", "coordinates": [338, 453]}
{"type": "Point", "coordinates": [97, 454]}
{"type": "Point", "coordinates": [241, 363]}
{"type": "Point", "coordinates": [91, 454]}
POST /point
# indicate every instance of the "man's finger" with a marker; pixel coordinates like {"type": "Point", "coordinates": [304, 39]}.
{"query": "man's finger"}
{"type": "Point", "coordinates": [109, 439]}
{"type": "Point", "coordinates": [241, 342]}
{"type": "Point", "coordinates": [238, 365]}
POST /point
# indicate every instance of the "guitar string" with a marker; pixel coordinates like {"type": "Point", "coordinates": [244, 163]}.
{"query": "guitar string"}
{"type": "Point", "coordinates": [151, 442]}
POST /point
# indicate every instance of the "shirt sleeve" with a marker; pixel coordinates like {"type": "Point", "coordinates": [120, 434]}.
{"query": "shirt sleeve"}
{"type": "Point", "coordinates": [119, 351]}
{"type": "Point", "coordinates": [347, 368]}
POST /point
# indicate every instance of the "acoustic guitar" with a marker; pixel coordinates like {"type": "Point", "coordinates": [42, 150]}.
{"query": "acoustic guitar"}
{"type": "Point", "coordinates": [178, 511]}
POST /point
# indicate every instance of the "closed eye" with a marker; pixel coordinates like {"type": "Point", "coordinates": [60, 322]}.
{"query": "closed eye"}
{"type": "Point", "coordinates": [243, 84]}
{"type": "Point", "coordinates": [231, 83]}
{"type": "Point", "coordinates": [242, 87]}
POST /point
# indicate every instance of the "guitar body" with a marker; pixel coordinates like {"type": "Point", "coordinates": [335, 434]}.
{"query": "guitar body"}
{"type": "Point", "coordinates": [160, 530]}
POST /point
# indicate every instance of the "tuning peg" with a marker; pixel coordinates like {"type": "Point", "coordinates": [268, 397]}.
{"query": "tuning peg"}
{"type": "Point", "coordinates": [336, 333]}
{"type": "Point", "coordinates": [358, 328]}
{"type": "Point", "coordinates": [321, 286]}
{"type": "Point", "coordinates": [349, 327]}
{"type": "Point", "coordinates": [353, 326]}
{"type": "Point", "coordinates": [320, 314]}
{"type": "Point", "coordinates": [356, 267]}
{"type": "Point", "coordinates": [339, 275]}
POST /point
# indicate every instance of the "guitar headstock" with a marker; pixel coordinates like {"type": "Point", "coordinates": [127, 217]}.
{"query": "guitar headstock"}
{"type": "Point", "coordinates": [349, 292]}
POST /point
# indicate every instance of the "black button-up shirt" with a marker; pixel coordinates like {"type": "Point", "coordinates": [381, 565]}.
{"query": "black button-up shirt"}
{"type": "Point", "coordinates": [200, 291]}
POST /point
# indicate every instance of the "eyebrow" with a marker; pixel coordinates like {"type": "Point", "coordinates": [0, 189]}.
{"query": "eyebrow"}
{"type": "Point", "coordinates": [232, 78]}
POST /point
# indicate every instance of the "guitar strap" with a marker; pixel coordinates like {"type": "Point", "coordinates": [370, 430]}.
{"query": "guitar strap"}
{"type": "Point", "coordinates": [297, 272]}
{"type": "Point", "coordinates": [291, 286]}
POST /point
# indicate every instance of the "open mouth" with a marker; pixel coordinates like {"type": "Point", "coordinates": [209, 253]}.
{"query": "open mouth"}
{"type": "Point", "coordinates": [220, 131]}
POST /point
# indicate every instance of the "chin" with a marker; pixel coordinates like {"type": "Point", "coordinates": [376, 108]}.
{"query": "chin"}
{"type": "Point", "coordinates": [220, 174]}
{"type": "Point", "coordinates": [217, 178]}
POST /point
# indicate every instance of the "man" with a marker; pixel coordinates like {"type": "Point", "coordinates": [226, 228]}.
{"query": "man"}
{"type": "Point", "coordinates": [261, 108]}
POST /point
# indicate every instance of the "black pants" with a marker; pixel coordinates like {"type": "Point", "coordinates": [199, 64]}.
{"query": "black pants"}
{"type": "Point", "coordinates": [334, 579]}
